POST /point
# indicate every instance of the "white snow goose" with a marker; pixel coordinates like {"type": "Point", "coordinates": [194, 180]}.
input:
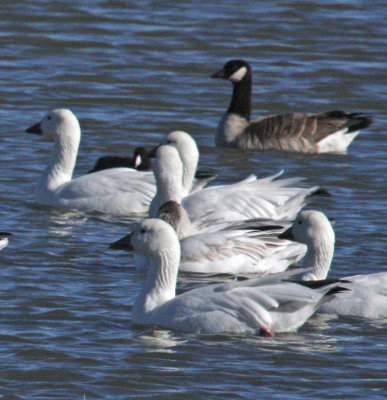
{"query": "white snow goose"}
{"type": "Point", "coordinates": [367, 296]}
{"type": "Point", "coordinates": [251, 198]}
{"type": "Point", "coordinates": [327, 132]}
{"type": "Point", "coordinates": [121, 191]}
{"type": "Point", "coordinates": [265, 305]}
{"type": "Point", "coordinates": [248, 247]}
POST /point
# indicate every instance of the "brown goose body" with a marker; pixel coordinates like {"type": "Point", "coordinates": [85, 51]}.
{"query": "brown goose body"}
{"type": "Point", "coordinates": [329, 132]}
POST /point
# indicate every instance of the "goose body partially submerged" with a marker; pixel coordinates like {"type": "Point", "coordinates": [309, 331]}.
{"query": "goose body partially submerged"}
{"type": "Point", "coordinates": [367, 294]}
{"type": "Point", "coordinates": [250, 198]}
{"type": "Point", "coordinates": [121, 191]}
{"type": "Point", "coordinates": [224, 247]}
{"type": "Point", "coordinates": [327, 132]}
{"type": "Point", "coordinates": [265, 305]}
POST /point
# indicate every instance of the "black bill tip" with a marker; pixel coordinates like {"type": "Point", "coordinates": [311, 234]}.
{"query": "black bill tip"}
{"type": "Point", "coordinates": [123, 243]}
{"type": "Point", "coordinates": [220, 74]}
{"type": "Point", "coordinates": [288, 235]}
{"type": "Point", "coordinates": [35, 129]}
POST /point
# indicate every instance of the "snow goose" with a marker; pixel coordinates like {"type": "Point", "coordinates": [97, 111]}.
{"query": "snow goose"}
{"type": "Point", "coordinates": [231, 248]}
{"type": "Point", "coordinates": [265, 305]}
{"type": "Point", "coordinates": [329, 132]}
{"type": "Point", "coordinates": [140, 161]}
{"type": "Point", "coordinates": [117, 191]}
{"type": "Point", "coordinates": [4, 239]}
{"type": "Point", "coordinates": [368, 293]}
{"type": "Point", "coordinates": [251, 198]}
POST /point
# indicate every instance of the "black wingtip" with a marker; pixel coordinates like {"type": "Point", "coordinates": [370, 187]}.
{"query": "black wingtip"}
{"type": "Point", "coordinates": [5, 234]}
{"type": "Point", "coordinates": [335, 290]}
{"type": "Point", "coordinates": [355, 120]}
{"type": "Point", "coordinates": [359, 121]}
{"type": "Point", "coordinates": [321, 192]}
{"type": "Point", "coordinates": [325, 282]}
{"type": "Point", "coordinates": [204, 174]}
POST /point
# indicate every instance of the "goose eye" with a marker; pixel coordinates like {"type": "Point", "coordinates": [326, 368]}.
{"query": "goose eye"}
{"type": "Point", "coordinates": [299, 222]}
{"type": "Point", "coordinates": [143, 230]}
{"type": "Point", "coordinates": [49, 117]}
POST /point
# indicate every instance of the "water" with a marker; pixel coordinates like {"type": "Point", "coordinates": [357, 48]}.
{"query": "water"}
{"type": "Point", "coordinates": [131, 73]}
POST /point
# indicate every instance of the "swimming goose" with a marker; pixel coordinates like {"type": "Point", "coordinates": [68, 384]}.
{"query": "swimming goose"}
{"type": "Point", "coordinates": [140, 161]}
{"type": "Point", "coordinates": [251, 198]}
{"type": "Point", "coordinates": [4, 239]}
{"type": "Point", "coordinates": [368, 293]}
{"type": "Point", "coordinates": [265, 305]}
{"type": "Point", "coordinates": [231, 248]}
{"type": "Point", "coordinates": [329, 132]}
{"type": "Point", "coordinates": [189, 153]}
{"type": "Point", "coordinates": [118, 191]}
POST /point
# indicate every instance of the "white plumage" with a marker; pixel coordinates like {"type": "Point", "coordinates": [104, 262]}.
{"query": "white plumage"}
{"type": "Point", "coordinates": [118, 190]}
{"type": "Point", "coordinates": [4, 239]}
{"type": "Point", "coordinates": [367, 296]}
{"type": "Point", "coordinates": [251, 198]}
{"type": "Point", "coordinates": [267, 305]}
{"type": "Point", "coordinates": [227, 247]}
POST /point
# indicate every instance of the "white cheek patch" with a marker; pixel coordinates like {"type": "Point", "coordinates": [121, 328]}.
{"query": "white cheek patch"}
{"type": "Point", "coordinates": [238, 75]}
{"type": "Point", "coordinates": [137, 161]}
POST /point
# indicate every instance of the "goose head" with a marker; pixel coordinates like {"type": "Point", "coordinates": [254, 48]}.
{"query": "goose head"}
{"type": "Point", "coordinates": [150, 237]}
{"type": "Point", "coordinates": [188, 152]}
{"type": "Point", "coordinates": [57, 124]}
{"type": "Point", "coordinates": [313, 229]}
{"type": "Point", "coordinates": [234, 71]}
{"type": "Point", "coordinates": [184, 143]}
{"type": "Point", "coordinates": [310, 227]}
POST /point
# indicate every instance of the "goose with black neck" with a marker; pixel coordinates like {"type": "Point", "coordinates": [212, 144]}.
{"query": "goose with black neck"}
{"type": "Point", "coordinates": [327, 132]}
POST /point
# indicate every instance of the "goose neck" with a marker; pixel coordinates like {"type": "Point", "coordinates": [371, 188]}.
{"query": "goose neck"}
{"type": "Point", "coordinates": [318, 258]}
{"type": "Point", "coordinates": [61, 166]}
{"type": "Point", "coordinates": [241, 98]}
{"type": "Point", "coordinates": [160, 285]}
{"type": "Point", "coordinates": [169, 189]}
{"type": "Point", "coordinates": [189, 170]}
{"type": "Point", "coordinates": [168, 177]}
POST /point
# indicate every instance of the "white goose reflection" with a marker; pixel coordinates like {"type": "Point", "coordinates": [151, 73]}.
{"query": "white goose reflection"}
{"type": "Point", "coordinates": [158, 340]}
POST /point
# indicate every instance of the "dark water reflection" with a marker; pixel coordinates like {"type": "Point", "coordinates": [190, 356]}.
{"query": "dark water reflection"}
{"type": "Point", "coordinates": [131, 73]}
